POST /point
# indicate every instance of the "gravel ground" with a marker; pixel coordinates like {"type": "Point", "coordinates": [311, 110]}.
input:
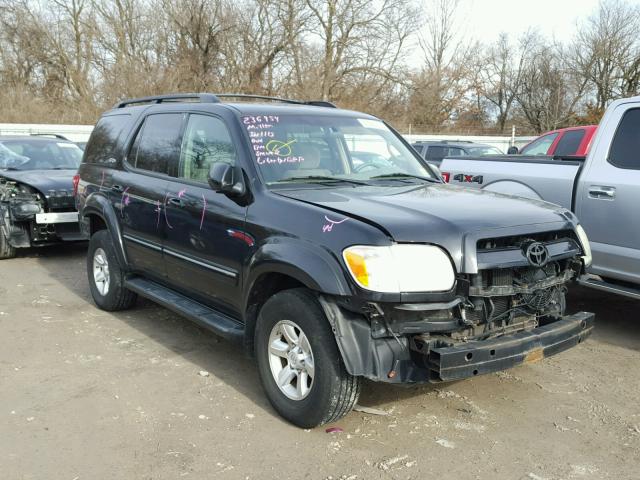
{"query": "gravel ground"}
{"type": "Point", "coordinates": [144, 394]}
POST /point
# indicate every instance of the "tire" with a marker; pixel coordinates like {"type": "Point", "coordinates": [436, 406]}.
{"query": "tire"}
{"type": "Point", "coordinates": [110, 293]}
{"type": "Point", "coordinates": [331, 392]}
{"type": "Point", "coordinates": [6, 250]}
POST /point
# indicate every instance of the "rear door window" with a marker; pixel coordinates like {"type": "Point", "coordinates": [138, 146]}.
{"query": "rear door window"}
{"type": "Point", "coordinates": [157, 144]}
{"type": "Point", "coordinates": [436, 152]}
{"type": "Point", "coordinates": [570, 142]}
{"type": "Point", "coordinates": [625, 148]}
{"type": "Point", "coordinates": [540, 146]}
{"type": "Point", "coordinates": [104, 139]}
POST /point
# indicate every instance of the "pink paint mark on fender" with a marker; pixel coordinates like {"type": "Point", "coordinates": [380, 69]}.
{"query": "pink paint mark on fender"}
{"type": "Point", "coordinates": [182, 192]}
{"type": "Point", "coordinates": [102, 180]}
{"type": "Point", "coordinates": [327, 227]}
{"type": "Point", "coordinates": [204, 209]}
{"type": "Point", "coordinates": [166, 197]}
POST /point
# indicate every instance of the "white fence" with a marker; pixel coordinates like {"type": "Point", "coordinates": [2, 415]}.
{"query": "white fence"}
{"type": "Point", "coordinates": [76, 133]}
{"type": "Point", "coordinates": [80, 133]}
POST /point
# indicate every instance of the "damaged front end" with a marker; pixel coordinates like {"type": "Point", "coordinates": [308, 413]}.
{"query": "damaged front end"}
{"type": "Point", "coordinates": [512, 311]}
{"type": "Point", "coordinates": [30, 218]}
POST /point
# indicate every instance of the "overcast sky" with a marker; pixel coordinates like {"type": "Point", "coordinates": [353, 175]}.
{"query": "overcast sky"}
{"type": "Point", "coordinates": [485, 19]}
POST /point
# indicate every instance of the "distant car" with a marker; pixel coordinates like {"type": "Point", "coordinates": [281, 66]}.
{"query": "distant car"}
{"type": "Point", "coordinates": [37, 206]}
{"type": "Point", "coordinates": [435, 151]}
{"type": "Point", "coordinates": [565, 142]}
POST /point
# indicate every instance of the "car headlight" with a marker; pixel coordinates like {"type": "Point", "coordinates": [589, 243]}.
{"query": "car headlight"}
{"type": "Point", "coordinates": [586, 247]}
{"type": "Point", "coordinates": [400, 268]}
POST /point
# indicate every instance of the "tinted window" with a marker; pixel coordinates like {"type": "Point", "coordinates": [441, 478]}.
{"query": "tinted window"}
{"type": "Point", "coordinates": [104, 138]}
{"type": "Point", "coordinates": [539, 146]}
{"type": "Point", "coordinates": [569, 142]}
{"type": "Point", "coordinates": [455, 152]}
{"type": "Point", "coordinates": [157, 146]}
{"type": "Point", "coordinates": [436, 153]}
{"type": "Point", "coordinates": [418, 148]}
{"type": "Point", "coordinates": [625, 149]}
{"type": "Point", "coordinates": [206, 141]}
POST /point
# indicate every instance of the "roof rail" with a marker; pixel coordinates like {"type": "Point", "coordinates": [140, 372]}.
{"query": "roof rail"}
{"type": "Point", "coordinates": [54, 135]}
{"type": "Point", "coordinates": [200, 97]}
{"type": "Point", "coordinates": [317, 103]}
{"type": "Point", "coordinates": [215, 98]}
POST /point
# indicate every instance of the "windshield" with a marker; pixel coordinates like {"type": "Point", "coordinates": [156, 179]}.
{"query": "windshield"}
{"type": "Point", "coordinates": [314, 149]}
{"type": "Point", "coordinates": [484, 151]}
{"type": "Point", "coordinates": [39, 154]}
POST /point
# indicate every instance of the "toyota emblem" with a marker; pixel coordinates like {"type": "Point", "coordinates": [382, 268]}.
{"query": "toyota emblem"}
{"type": "Point", "coordinates": [537, 254]}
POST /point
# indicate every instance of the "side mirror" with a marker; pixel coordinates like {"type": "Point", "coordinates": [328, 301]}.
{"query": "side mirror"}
{"type": "Point", "coordinates": [512, 150]}
{"type": "Point", "coordinates": [222, 179]}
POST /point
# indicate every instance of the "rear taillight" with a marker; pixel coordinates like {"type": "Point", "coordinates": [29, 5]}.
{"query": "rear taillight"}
{"type": "Point", "coordinates": [76, 182]}
{"type": "Point", "coordinates": [446, 176]}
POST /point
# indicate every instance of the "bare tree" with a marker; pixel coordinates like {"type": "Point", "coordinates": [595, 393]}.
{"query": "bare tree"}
{"type": "Point", "coordinates": [501, 74]}
{"type": "Point", "coordinates": [606, 51]}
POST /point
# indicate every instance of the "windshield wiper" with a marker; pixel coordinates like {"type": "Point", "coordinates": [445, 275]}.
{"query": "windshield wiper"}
{"type": "Point", "coordinates": [323, 179]}
{"type": "Point", "coordinates": [399, 176]}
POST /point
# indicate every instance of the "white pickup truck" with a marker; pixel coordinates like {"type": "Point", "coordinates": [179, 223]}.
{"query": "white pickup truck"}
{"type": "Point", "coordinates": [603, 190]}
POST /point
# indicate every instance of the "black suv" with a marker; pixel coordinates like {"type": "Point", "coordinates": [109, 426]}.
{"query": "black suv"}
{"type": "Point", "coordinates": [434, 151]}
{"type": "Point", "coordinates": [319, 239]}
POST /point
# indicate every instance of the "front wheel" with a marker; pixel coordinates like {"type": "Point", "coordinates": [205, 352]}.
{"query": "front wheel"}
{"type": "Point", "coordinates": [6, 249]}
{"type": "Point", "coordinates": [299, 363]}
{"type": "Point", "coordinates": [106, 278]}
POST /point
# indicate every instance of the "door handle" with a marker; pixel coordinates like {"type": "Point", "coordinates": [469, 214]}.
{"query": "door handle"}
{"type": "Point", "coordinates": [176, 202]}
{"type": "Point", "coordinates": [117, 188]}
{"type": "Point", "coordinates": [602, 192]}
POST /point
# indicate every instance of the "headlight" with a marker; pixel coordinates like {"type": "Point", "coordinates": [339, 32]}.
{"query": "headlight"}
{"type": "Point", "coordinates": [400, 268]}
{"type": "Point", "coordinates": [582, 235]}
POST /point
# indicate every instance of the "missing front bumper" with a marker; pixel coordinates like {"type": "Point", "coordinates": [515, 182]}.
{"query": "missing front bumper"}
{"type": "Point", "coordinates": [479, 357]}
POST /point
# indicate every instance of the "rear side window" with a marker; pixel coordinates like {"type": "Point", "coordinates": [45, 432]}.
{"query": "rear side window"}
{"type": "Point", "coordinates": [157, 145]}
{"type": "Point", "coordinates": [104, 139]}
{"type": "Point", "coordinates": [625, 148]}
{"type": "Point", "coordinates": [569, 142]}
{"type": "Point", "coordinates": [540, 146]}
{"type": "Point", "coordinates": [455, 152]}
{"type": "Point", "coordinates": [417, 148]}
{"type": "Point", "coordinates": [436, 153]}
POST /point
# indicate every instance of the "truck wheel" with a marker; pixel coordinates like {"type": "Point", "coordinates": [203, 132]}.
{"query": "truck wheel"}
{"type": "Point", "coordinates": [106, 279]}
{"type": "Point", "coordinates": [300, 367]}
{"type": "Point", "coordinates": [6, 250]}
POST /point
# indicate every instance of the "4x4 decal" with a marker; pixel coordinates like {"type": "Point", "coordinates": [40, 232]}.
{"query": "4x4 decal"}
{"type": "Point", "coordinates": [464, 178]}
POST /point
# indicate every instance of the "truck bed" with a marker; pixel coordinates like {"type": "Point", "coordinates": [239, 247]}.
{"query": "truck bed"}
{"type": "Point", "coordinates": [552, 179]}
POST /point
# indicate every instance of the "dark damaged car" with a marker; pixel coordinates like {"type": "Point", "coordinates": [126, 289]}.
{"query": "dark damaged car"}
{"type": "Point", "coordinates": [37, 206]}
{"type": "Point", "coordinates": [321, 241]}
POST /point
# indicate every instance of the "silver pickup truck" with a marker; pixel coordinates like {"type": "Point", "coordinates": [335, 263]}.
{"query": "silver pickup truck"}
{"type": "Point", "coordinates": [603, 190]}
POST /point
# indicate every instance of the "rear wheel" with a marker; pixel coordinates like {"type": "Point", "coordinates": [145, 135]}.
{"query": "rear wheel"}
{"type": "Point", "coordinates": [300, 366]}
{"type": "Point", "coordinates": [106, 278]}
{"type": "Point", "coordinates": [6, 250]}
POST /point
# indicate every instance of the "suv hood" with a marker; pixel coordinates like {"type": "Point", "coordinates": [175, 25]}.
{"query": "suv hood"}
{"type": "Point", "coordinates": [43, 180]}
{"type": "Point", "coordinates": [432, 213]}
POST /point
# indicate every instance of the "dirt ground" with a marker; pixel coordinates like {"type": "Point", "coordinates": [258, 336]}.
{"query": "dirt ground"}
{"type": "Point", "coordinates": [86, 394]}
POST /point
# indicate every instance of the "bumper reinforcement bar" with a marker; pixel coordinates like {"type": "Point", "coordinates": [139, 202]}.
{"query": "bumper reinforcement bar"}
{"type": "Point", "coordinates": [478, 357]}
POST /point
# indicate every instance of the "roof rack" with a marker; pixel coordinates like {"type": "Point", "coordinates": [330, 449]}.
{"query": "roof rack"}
{"type": "Point", "coordinates": [444, 141]}
{"type": "Point", "coordinates": [54, 135]}
{"type": "Point", "coordinates": [200, 97]}
{"type": "Point", "coordinates": [215, 98]}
